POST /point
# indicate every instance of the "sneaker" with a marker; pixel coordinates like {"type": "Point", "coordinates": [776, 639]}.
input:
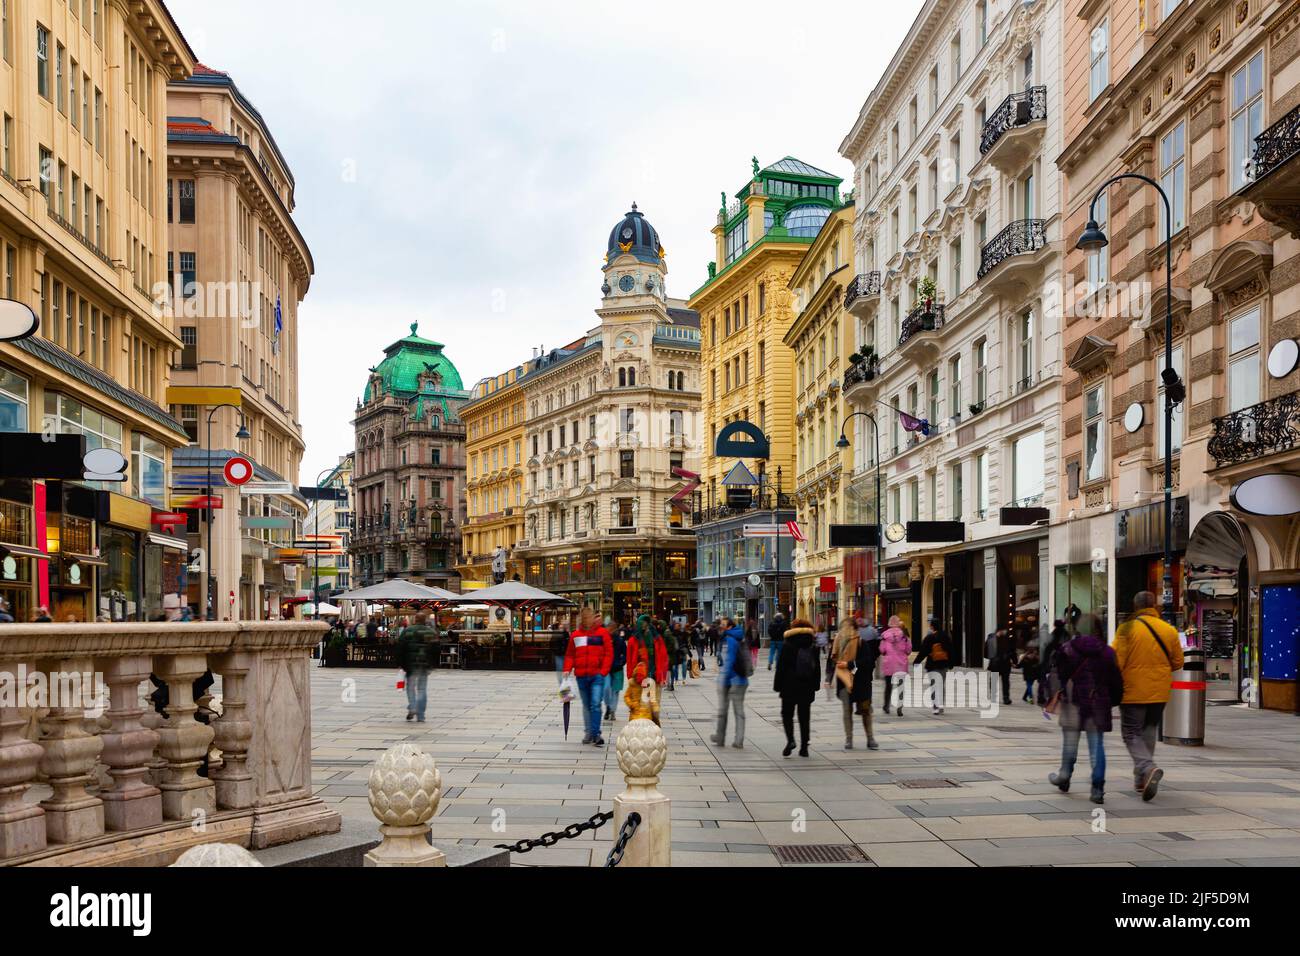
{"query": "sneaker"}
{"type": "Point", "coordinates": [1059, 782]}
{"type": "Point", "coordinates": [586, 738]}
{"type": "Point", "coordinates": [598, 742]}
{"type": "Point", "coordinates": [738, 745]}
{"type": "Point", "coordinates": [871, 744]}
{"type": "Point", "coordinates": [410, 716]}
{"type": "Point", "coordinates": [803, 751]}
{"type": "Point", "coordinates": [716, 739]}
{"type": "Point", "coordinates": [1151, 784]}
{"type": "Point", "coordinates": [789, 749]}
{"type": "Point", "coordinates": [1098, 795]}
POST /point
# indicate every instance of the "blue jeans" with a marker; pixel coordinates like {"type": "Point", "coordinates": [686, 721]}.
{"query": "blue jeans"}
{"type": "Point", "coordinates": [417, 692]}
{"type": "Point", "coordinates": [592, 692]}
{"type": "Point", "coordinates": [613, 684]}
{"type": "Point", "coordinates": [1029, 688]}
{"type": "Point", "coordinates": [559, 668]}
{"type": "Point", "coordinates": [773, 653]}
{"type": "Point", "coordinates": [1096, 753]}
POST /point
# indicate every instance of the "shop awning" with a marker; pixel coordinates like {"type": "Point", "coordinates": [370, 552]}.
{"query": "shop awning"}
{"type": "Point", "coordinates": [167, 541]}
{"type": "Point", "coordinates": [89, 559]}
{"type": "Point", "coordinates": [24, 552]}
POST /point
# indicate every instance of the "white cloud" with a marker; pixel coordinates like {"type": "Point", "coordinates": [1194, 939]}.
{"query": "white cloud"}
{"type": "Point", "coordinates": [496, 143]}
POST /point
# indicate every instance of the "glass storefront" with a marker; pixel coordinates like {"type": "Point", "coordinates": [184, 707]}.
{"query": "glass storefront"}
{"type": "Point", "coordinates": [119, 582]}
{"type": "Point", "coordinates": [1081, 589]}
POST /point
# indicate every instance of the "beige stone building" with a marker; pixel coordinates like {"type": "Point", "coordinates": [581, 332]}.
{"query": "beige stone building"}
{"type": "Point", "coordinates": [494, 478]}
{"type": "Point", "coordinates": [607, 420]}
{"type": "Point", "coordinates": [1204, 98]}
{"type": "Point", "coordinates": [237, 269]}
{"type": "Point", "coordinates": [83, 148]}
{"type": "Point", "coordinates": [823, 337]}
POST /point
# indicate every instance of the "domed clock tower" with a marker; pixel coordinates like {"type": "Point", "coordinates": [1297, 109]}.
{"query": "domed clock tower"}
{"type": "Point", "coordinates": [634, 264]}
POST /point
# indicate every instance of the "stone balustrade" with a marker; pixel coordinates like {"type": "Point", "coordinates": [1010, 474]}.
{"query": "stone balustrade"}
{"type": "Point", "coordinates": [129, 786]}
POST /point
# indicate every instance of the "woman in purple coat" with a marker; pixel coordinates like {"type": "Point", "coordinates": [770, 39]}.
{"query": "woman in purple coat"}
{"type": "Point", "coordinates": [1091, 685]}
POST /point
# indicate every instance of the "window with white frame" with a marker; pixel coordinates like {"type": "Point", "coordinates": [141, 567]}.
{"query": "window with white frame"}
{"type": "Point", "coordinates": [1099, 60]}
{"type": "Point", "coordinates": [13, 401]}
{"type": "Point", "coordinates": [982, 484]}
{"type": "Point", "coordinates": [1247, 116]}
{"type": "Point", "coordinates": [1173, 175]}
{"type": "Point", "coordinates": [1025, 350]}
{"type": "Point", "coordinates": [1094, 433]}
{"type": "Point", "coordinates": [955, 490]}
{"type": "Point", "coordinates": [1243, 360]}
{"type": "Point", "coordinates": [954, 385]}
{"type": "Point", "coordinates": [1176, 432]}
{"type": "Point", "coordinates": [1027, 474]}
{"type": "Point", "coordinates": [981, 353]}
{"type": "Point", "coordinates": [148, 471]}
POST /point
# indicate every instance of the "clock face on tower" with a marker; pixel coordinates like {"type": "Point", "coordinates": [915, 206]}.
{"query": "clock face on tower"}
{"type": "Point", "coordinates": [626, 283]}
{"type": "Point", "coordinates": [626, 234]}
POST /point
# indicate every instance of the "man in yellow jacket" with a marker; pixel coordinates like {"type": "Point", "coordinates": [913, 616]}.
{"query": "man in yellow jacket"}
{"type": "Point", "coordinates": [1148, 652]}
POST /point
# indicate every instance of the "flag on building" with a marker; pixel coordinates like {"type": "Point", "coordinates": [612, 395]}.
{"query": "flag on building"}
{"type": "Point", "coordinates": [912, 424]}
{"type": "Point", "coordinates": [795, 531]}
{"type": "Point", "coordinates": [279, 324]}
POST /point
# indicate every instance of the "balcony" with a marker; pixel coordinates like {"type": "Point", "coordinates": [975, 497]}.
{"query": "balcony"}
{"type": "Point", "coordinates": [1011, 258]}
{"type": "Point", "coordinates": [757, 503]}
{"type": "Point", "coordinates": [256, 789]}
{"type": "Point", "coordinates": [1256, 432]}
{"type": "Point", "coordinates": [863, 294]}
{"type": "Point", "coordinates": [859, 376]}
{"type": "Point", "coordinates": [1013, 134]}
{"type": "Point", "coordinates": [1275, 173]}
{"type": "Point", "coordinates": [916, 337]}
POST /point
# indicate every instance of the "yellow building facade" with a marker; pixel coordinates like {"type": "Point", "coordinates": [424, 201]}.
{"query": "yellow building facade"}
{"type": "Point", "coordinates": [746, 309]}
{"type": "Point", "coordinates": [821, 339]}
{"type": "Point", "coordinates": [494, 477]}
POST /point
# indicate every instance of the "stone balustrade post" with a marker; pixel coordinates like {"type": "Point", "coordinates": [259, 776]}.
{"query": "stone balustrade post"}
{"type": "Point", "coordinates": [183, 741]}
{"type": "Point", "coordinates": [404, 789]}
{"type": "Point", "coordinates": [132, 802]}
{"type": "Point", "coordinates": [642, 752]}
{"type": "Point", "coordinates": [236, 788]}
{"type": "Point", "coordinates": [70, 754]}
{"type": "Point", "coordinates": [22, 825]}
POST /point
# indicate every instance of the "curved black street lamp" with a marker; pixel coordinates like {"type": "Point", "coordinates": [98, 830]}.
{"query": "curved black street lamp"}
{"type": "Point", "coordinates": [880, 521]}
{"type": "Point", "coordinates": [1092, 239]}
{"type": "Point", "coordinates": [242, 433]}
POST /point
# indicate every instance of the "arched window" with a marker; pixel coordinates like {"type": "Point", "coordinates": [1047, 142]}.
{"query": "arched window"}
{"type": "Point", "coordinates": [681, 381]}
{"type": "Point", "coordinates": [631, 377]}
{"type": "Point", "coordinates": [622, 378]}
{"type": "Point", "coordinates": [672, 378]}
{"type": "Point", "coordinates": [805, 220]}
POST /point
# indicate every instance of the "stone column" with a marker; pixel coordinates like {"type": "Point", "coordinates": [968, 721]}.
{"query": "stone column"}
{"type": "Point", "coordinates": [131, 803]}
{"type": "Point", "coordinates": [991, 597]}
{"type": "Point", "coordinates": [22, 827]}
{"type": "Point", "coordinates": [71, 814]}
{"type": "Point", "coordinates": [405, 787]}
{"type": "Point", "coordinates": [236, 789]}
{"type": "Point", "coordinates": [183, 740]}
{"type": "Point", "coordinates": [642, 752]}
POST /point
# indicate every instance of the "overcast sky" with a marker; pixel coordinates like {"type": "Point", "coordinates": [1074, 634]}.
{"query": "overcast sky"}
{"type": "Point", "coordinates": [462, 163]}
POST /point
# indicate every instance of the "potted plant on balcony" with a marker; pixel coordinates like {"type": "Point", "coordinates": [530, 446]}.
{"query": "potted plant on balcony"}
{"type": "Point", "coordinates": [925, 293]}
{"type": "Point", "coordinates": [976, 408]}
{"type": "Point", "coordinates": [869, 361]}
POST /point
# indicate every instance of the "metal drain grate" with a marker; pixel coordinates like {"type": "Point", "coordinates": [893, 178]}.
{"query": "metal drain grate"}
{"type": "Point", "coordinates": [1005, 729]}
{"type": "Point", "coordinates": [928, 783]}
{"type": "Point", "coordinates": [820, 853]}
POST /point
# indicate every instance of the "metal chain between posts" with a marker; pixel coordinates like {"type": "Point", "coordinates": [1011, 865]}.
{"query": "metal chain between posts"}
{"type": "Point", "coordinates": [624, 835]}
{"type": "Point", "coordinates": [594, 822]}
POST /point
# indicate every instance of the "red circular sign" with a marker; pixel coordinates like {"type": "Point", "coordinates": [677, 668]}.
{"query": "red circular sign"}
{"type": "Point", "coordinates": [238, 470]}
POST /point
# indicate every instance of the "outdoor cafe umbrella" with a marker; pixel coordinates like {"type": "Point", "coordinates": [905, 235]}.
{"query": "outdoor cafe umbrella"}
{"type": "Point", "coordinates": [516, 596]}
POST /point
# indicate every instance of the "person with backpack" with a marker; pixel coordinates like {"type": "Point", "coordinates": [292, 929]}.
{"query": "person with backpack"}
{"type": "Point", "coordinates": [1000, 649]}
{"type": "Point", "coordinates": [614, 685]}
{"type": "Point", "coordinates": [775, 638]}
{"type": "Point", "coordinates": [588, 658]}
{"type": "Point", "coordinates": [895, 649]}
{"type": "Point", "coordinates": [937, 654]}
{"type": "Point", "coordinates": [1148, 651]}
{"type": "Point", "coordinates": [1091, 682]}
{"type": "Point", "coordinates": [733, 681]}
{"type": "Point", "coordinates": [415, 652]}
{"type": "Point", "coordinates": [798, 675]}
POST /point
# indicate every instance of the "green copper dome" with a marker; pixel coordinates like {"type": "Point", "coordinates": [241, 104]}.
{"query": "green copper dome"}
{"type": "Point", "coordinates": [409, 358]}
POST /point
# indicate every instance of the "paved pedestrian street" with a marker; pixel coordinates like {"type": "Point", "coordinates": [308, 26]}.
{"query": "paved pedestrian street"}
{"type": "Point", "coordinates": [956, 790]}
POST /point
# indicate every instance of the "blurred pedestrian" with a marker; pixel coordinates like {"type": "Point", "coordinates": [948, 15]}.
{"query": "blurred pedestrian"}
{"type": "Point", "coordinates": [414, 656]}
{"type": "Point", "coordinates": [895, 649]}
{"type": "Point", "coordinates": [776, 638]}
{"type": "Point", "coordinates": [589, 655]}
{"type": "Point", "coordinates": [844, 652]}
{"type": "Point", "coordinates": [1148, 651]}
{"type": "Point", "coordinates": [937, 654]}
{"type": "Point", "coordinates": [733, 682]}
{"type": "Point", "coordinates": [614, 686]}
{"type": "Point", "coordinates": [1092, 685]}
{"type": "Point", "coordinates": [798, 675]}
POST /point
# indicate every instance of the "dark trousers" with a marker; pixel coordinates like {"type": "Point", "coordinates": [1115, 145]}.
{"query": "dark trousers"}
{"type": "Point", "coordinates": [1006, 685]}
{"type": "Point", "coordinates": [787, 720]}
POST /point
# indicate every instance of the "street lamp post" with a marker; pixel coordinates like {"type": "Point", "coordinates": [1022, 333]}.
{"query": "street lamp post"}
{"type": "Point", "coordinates": [315, 584]}
{"type": "Point", "coordinates": [242, 433]}
{"type": "Point", "coordinates": [880, 521]}
{"type": "Point", "coordinates": [1092, 239]}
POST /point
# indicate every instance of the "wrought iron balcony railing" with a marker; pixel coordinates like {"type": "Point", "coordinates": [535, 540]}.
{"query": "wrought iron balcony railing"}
{"type": "Point", "coordinates": [864, 284]}
{"type": "Point", "coordinates": [920, 320]}
{"type": "Point", "coordinates": [757, 503]}
{"type": "Point", "coordinates": [1018, 109]}
{"type": "Point", "coordinates": [1263, 429]}
{"type": "Point", "coordinates": [1277, 144]}
{"type": "Point", "coordinates": [1023, 235]}
{"type": "Point", "coordinates": [860, 372]}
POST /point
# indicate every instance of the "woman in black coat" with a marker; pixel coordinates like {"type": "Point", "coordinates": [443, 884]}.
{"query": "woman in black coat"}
{"type": "Point", "coordinates": [864, 667]}
{"type": "Point", "coordinates": [798, 675]}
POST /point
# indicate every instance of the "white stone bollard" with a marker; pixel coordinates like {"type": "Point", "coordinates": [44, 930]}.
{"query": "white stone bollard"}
{"type": "Point", "coordinates": [642, 753]}
{"type": "Point", "coordinates": [216, 854]}
{"type": "Point", "coordinates": [405, 787]}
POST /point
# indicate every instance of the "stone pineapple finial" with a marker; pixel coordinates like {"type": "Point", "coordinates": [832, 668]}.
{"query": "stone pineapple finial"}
{"type": "Point", "coordinates": [404, 789]}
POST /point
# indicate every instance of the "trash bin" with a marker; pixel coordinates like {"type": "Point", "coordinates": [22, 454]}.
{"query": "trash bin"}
{"type": "Point", "coordinates": [1184, 720]}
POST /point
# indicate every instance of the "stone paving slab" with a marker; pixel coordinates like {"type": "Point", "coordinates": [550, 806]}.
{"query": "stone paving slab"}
{"type": "Point", "coordinates": [499, 745]}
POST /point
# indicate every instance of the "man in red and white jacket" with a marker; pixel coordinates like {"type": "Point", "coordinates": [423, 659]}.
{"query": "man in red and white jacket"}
{"type": "Point", "coordinates": [589, 657]}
